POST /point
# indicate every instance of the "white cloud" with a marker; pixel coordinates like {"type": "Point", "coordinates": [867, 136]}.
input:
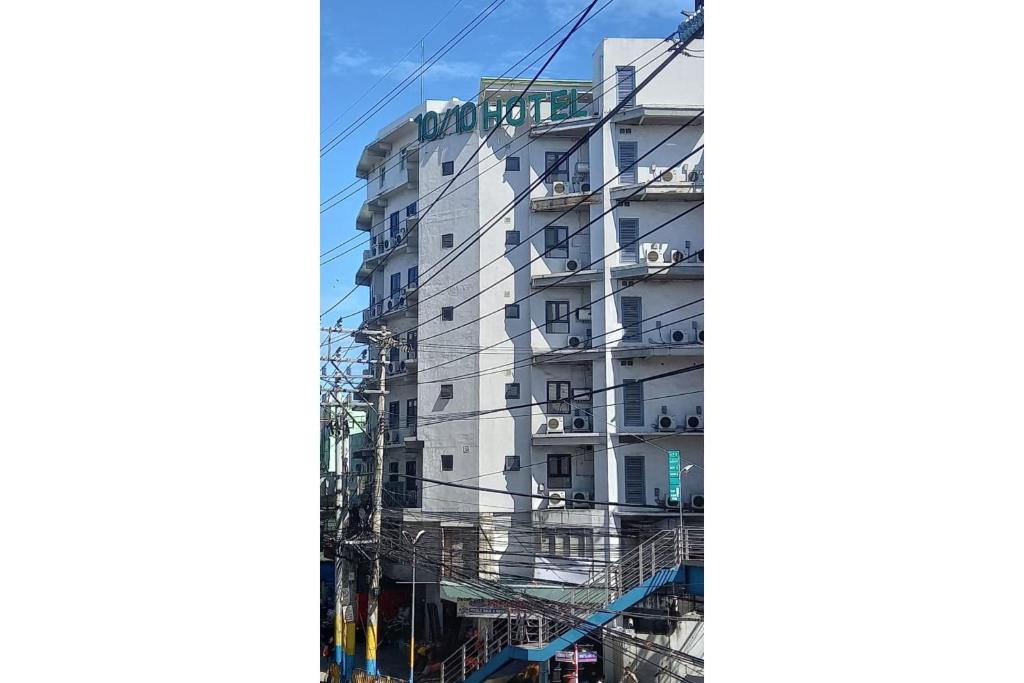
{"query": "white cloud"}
{"type": "Point", "coordinates": [438, 70]}
{"type": "Point", "coordinates": [347, 59]}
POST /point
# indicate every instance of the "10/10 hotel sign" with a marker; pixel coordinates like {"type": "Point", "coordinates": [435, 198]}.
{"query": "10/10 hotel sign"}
{"type": "Point", "coordinates": [464, 118]}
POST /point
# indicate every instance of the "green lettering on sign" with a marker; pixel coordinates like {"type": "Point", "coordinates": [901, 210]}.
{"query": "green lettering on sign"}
{"type": "Point", "coordinates": [520, 118]}
{"type": "Point", "coordinates": [565, 104]}
{"type": "Point", "coordinates": [488, 115]}
{"type": "Point", "coordinates": [673, 476]}
{"type": "Point", "coordinates": [559, 102]}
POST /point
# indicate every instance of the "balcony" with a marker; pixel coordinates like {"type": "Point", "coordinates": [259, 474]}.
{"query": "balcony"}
{"type": "Point", "coordinates": [571, 128]}
{"type": "Point", "coordinates": [663, 115]}
{"type": "Point", "coordinates": [567, 430]}
{"type": "Point", "coordinates": [577, 195]}
{"type": "Point", "coordinates": [654, 348]}
{"type": "Point", "coordinates": [681, 184]}
{"type": "Point", "coordinates": [573, 278]}
{"type": "Point", "coordinates": [372, 156]}
{"type": "Point", "coordinates": [690, 268]}
{"type": "Point", "coordinates": [365, 218]}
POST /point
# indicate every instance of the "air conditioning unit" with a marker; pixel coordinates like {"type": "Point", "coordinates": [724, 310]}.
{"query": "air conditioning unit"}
{"type": "Point", "coordinates": [654, 252]}
{"type": "Point", "coordinates": [402, 366]}
{"type": "Point", "coordinates": [402, 233]}
{"type": "Point", "coordinates": [680, 337]}
{"type": "Point", "coordinates": [671, 503]}
{"type": "Point", "coordinates": [572, 265]}
{"type": "Point", "coordinates": [581, 424]}
{"type": "Point", "coordinates": [697, 501]}
{"type": "Point", "coordinates": [583, 314]}
{"type": "Point", "coordinates": [696, 176]}
{"type": "Point", "coordinates": [574, 341]}
{"type": "Point", "coordinates": [556, 499]}
{"type": "Point", "coordinates": [695, 422]}
{"type": "Point", "coordinates": [392, 368]}
{"type": "Point", "coordinates": [677, 256]}
{"type": "Point", "coordinates": [700, 335]}
{"type": "Point", "coordinates": [558, 187]}
{"type": "Point", "coordinates": [556, 425]}
{"type": "Point", "coordinates": [387, 245]}
{"type": "Point", "coordinates": [666, 423]}
{"type": "Point", "coordinates": [700, 256]}
{"type": "Point", "coordinates": [669, 175]}
{"type": "Point", "coordinates": [585, 187]}
{"type": "Point", "coordinates": [583, 500]}
{"type": "Point", "coordinates": [373, 249]}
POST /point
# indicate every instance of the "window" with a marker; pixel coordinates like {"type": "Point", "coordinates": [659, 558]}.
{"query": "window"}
{"type": "Point", "coordinates": [382, 175]}
{"type": "Point", "coordinates": [512, 390]}
{"type": "Point", "coordinates": [410, 413]}
{"type": "Point", "coordinates": [447, 241]}
{"type": "Point", "coordinates": [410, 471]}
{"type": "Point", "coordinates": [447, 390]}
{"type": "Point", "coordinates": [556, 241]}
{"type": "Point", "coordinates": [395, 216]}
{"type": "Point", "coordinates": [635, 489]}
{"type": "Point", "coordinates": [394, 416]}
{"type": "Point", "coordinates": [414, 275]}
{"type": "Point", "coordinates": [401, 158]}
{"type": "Point", "coordinates": [393, 355]}
{"type": "Point", "coordinates": [447, 463]}
{"type": "Point", "coordinates": [511, 238]}
{"type": "Point", "coordinates": [559, 471]}
{"type": "Point", "coordinates": [511, 163]}
{"type": "Point", "coordinates": [556, 317]}
{"type": "Point", "coordinates": [629, 231]}
{"type": "Point", "coordinates": [511, 311]}
{"type": "Point", "coordinates": [627, 162]}
{"type": "Point", "coordinates": [558, 171]}
{"type": "Point", "coordinates": [396, 283]}
{"type": "Point", "coordinates": [558, 398]}
{"type": "Point", "coordinates": [633, 403]}
{"type": "Point", "coordinates": [447, 167]}
{"type": "Point", "coordinates": [625, 81]}
{"type": "Point", "coordinates": [571, 543]}
{"type": "Point", "coordinates": [410, 342]}
{"type": "Point", "coordinates": [511, 463]}
{"type": "Point", "coordinates": [632, 312]}
{"type": "Point", "coordinates": [447, 313]}
{"type": "Point", "coordinates": [410, 210]}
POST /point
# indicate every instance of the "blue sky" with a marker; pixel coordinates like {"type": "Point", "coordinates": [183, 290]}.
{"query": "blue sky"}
{"type": "Point", "coordinates": [360, 41]}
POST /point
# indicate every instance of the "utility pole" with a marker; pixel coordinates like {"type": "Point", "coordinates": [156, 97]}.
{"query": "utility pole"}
{"type": "Point", "coordinates": [344, 633]}
{"type": "Point", "coordinates": [384, 342]}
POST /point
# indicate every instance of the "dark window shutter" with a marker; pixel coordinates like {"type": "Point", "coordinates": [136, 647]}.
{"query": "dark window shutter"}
{"type": "Point", "coordinates": [625, 81]}
{"type": "Point", "coordinates": [635, 490]}
{"type": "Point", "coordinates": [632, 312]}
{"type": "Point", "coordinates": [627, 162]}
{"type": "Point", "coordinates": [629, 232]}
{"type": "Point", "coordinates": [633, 400]}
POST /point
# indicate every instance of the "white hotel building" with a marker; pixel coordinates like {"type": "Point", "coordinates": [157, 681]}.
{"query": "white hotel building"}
{"type": "Point", "coordinates": [609, 447]}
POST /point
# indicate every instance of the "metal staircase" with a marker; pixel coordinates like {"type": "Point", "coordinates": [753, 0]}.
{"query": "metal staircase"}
{"type": "Point", "coordinates": [529, 636]}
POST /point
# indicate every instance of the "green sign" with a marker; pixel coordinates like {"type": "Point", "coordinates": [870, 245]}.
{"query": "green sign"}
{"type": "Point", "coordinates": [467, 117]}
{"type": "Point", "coordinates": [673, 476]}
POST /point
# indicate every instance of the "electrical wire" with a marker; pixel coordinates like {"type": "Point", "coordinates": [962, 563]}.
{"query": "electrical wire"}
{"type": "Point", "coordinates": [460, 35]}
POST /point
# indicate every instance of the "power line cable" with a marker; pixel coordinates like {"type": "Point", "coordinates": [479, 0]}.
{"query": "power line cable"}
{"type": "Point", "coordinates": [411, 78]}
{"type": "Point", "coordinates": [393, 66]}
